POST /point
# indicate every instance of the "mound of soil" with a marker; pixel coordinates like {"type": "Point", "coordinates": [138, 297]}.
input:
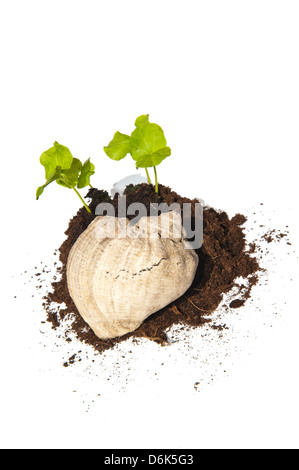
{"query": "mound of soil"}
{"type": "Point", "coordinates": [223, 259]}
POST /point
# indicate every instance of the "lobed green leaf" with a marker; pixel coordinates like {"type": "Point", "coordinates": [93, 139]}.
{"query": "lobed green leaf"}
{"type": "Point", "coordinates": [69, 178]}
{"type": "Point", "coordinates": [119, 146]}
{"type": "Point", "coordinates": [148, 145]}
{"type": "Point", "coordinates": [153, 159]}
{"type": "Point", "coordinates": [58, 155]}
{"type": "Point", "coordinates": [87, 171]}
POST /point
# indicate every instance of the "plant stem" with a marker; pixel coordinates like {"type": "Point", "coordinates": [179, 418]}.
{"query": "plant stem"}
{"type": "Point", "coordinates": [82, 200]}
{"type": "Point", "coordinates": [156, 180]}
{"type": "Point", "coordinates": [148, 176]}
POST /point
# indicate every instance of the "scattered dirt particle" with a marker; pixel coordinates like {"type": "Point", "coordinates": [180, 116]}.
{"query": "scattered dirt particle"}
{"type": "Point", "coordinates": [237, 303]}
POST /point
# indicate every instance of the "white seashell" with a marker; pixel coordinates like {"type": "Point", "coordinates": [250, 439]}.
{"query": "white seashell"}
{"type": "Point", "coordinates": [119, 274]}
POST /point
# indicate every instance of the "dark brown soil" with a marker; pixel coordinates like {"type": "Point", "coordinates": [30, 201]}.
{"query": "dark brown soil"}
{"type": "Point", "coordinates": [223, 259]}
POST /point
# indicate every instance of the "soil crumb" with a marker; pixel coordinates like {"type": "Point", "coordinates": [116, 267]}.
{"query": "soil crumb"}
{"type": "Point", "coordinates": [237, 303]}
{"type": "Point", "coordinates": [224, 258]}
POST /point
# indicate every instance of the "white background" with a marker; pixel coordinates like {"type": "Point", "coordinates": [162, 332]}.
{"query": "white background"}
{"type": "Point", "coordinates": [221, 78]}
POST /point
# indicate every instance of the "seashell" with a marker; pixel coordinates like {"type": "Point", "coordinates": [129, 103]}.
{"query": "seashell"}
{"type": "Point", "coordinates": [119, 274]}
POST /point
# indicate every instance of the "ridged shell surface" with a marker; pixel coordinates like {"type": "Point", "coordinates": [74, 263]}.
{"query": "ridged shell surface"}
{"type": "Point", "coordinates": [119, 274]}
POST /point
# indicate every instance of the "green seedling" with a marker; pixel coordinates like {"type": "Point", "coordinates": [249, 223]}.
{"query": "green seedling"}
{"type": "Point", "coordinates": [67, 171]}
{"type": "Point", "coordinates": [146, 144]}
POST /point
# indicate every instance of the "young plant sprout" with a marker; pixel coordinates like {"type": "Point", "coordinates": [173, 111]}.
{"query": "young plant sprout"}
{"type": "Point", "coordinates": [146, 144]}
{"type": "Point", "coordinates": [67, 171]}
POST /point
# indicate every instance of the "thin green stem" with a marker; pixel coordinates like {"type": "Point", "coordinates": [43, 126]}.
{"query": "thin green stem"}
{"type": "Point", "coordinates": [148, 176]}
{"type": "Point", "coordinates": [82, 200]}
{"type": "Point", "coordinates": [156, 180]}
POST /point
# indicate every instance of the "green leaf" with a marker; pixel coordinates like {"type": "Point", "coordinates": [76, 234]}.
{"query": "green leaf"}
{"type": "Point", "coordinates": [148, 145]}
{"type": "Point", "coordinates": [67, 171]}
{"type": "Point", "coordinates": [58, 155]}
{"type": "Point", "coordinates": [53, 177]}
{"type": "Point", "coordinates": [119, 146]}
{"type": "Point", "coordinates": [141, 120]}
{"type": "Point", "coordinates": [87, 171]}
{"type": "Point", "coordinates": [154, 159]}
{"type": "Point", "coordinates": [69, 178]}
